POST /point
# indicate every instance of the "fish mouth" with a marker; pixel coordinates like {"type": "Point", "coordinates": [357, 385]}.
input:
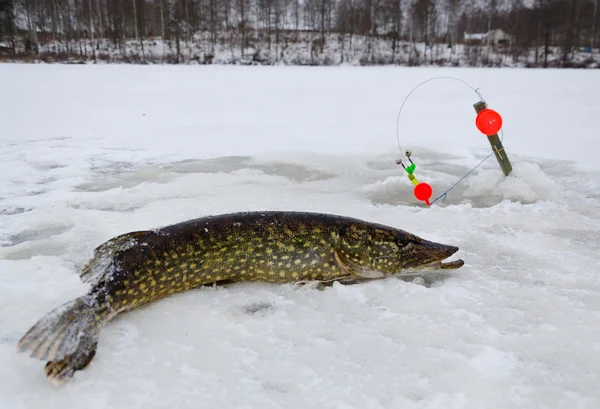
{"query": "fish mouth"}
{"type": "Point", "coordinates": [446, 252]}
{"type": "Point", "coordinates": [449, 265]}
{"type": "Point", "coordinates": [436, 266]}
{"type": "Point", "coordinates": [437, 254]}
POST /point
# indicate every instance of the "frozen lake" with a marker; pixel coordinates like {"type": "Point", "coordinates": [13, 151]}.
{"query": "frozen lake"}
{"type": "Point", "coordinates": [90, 152]}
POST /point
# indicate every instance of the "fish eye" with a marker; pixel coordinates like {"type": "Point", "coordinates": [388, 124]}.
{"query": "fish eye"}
{"type": "Point", "coordinates": [402, 240]}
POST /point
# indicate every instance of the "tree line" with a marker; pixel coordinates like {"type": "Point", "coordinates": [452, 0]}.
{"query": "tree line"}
{"type": "Point", "coordinates": [565, 30]}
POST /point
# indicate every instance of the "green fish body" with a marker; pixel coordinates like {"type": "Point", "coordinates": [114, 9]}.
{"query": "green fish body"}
{"type": "Point", "coordinates": [285, 247]}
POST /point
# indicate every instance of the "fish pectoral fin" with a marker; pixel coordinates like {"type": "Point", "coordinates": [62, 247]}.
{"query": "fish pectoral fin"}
{"type": "Point", "coordinates": [323, 284]}
{"type": "Point", "coordinates": [369, 273]}
{"type": "Point", "coordinates": [354, 281]}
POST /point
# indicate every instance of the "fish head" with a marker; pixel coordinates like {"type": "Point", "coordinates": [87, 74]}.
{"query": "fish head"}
{"type": "Point", "coordinates": [396, 252]}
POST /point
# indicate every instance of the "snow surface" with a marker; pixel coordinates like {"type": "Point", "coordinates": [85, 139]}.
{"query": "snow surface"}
{"type": "Point", "coordinates": [89, 152]}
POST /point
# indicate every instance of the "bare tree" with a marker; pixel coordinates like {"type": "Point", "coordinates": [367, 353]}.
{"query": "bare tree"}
{"type": "Point", "coordinates": [243, 6]}
{"type": "Point", "coordinates": [7, 23]}
{"type": "Point", "coordinates": [594, 25]}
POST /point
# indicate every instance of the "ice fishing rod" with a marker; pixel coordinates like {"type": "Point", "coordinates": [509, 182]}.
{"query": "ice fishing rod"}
{"type": "Point", "coordinates": [487, 121]}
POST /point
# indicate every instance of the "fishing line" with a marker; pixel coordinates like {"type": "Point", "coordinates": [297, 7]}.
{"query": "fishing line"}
{"type": "Point", "coordinates": [405, 154]}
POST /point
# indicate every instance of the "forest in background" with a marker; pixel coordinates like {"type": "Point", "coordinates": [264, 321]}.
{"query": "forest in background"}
{"type": "Point", "coordinates": [537, 33]}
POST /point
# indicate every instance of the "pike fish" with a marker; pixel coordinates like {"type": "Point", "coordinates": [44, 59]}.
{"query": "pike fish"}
{"type": "Point", "coordinates": [140, 267]}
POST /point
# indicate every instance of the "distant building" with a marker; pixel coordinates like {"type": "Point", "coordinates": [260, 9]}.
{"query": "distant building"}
{"type": "Point", "coordinates": [4, 48]}
{"type": "Point", "coordinates": [493, 37]}
{"type": "Point", "coordinates": [475, 38]}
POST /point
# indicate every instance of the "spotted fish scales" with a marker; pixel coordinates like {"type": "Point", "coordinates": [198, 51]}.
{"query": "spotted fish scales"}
{"type": "Point", "coordinates": [140, 267]}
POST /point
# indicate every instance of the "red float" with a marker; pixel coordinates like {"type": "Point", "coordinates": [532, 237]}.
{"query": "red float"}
{"type": "Point", "coordinates": [423, 192]}
{"type": "Point", "coordinates": [488, 122]}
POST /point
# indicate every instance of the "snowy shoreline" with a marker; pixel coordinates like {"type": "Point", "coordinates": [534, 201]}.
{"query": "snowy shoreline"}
{"type": "Point", "coordinates": [299, 49]}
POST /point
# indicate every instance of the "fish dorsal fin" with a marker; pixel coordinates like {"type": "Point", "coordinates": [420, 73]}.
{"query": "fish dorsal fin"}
{"type": "Point", "coordinates": [102, 264]}
{"type": "Point", "coordinates": [352, 257]}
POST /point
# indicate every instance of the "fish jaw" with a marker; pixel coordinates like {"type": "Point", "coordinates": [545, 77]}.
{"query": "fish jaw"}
{"type": "Point", "coordinates": [427, 256]}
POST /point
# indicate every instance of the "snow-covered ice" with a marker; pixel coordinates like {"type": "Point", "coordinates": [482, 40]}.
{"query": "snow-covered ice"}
{"type": "Point", "coordinates": [89, 152]}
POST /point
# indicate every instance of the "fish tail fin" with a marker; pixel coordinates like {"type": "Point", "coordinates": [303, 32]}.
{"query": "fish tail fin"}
{"type": "Point", "coordinates": [66, 337]}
